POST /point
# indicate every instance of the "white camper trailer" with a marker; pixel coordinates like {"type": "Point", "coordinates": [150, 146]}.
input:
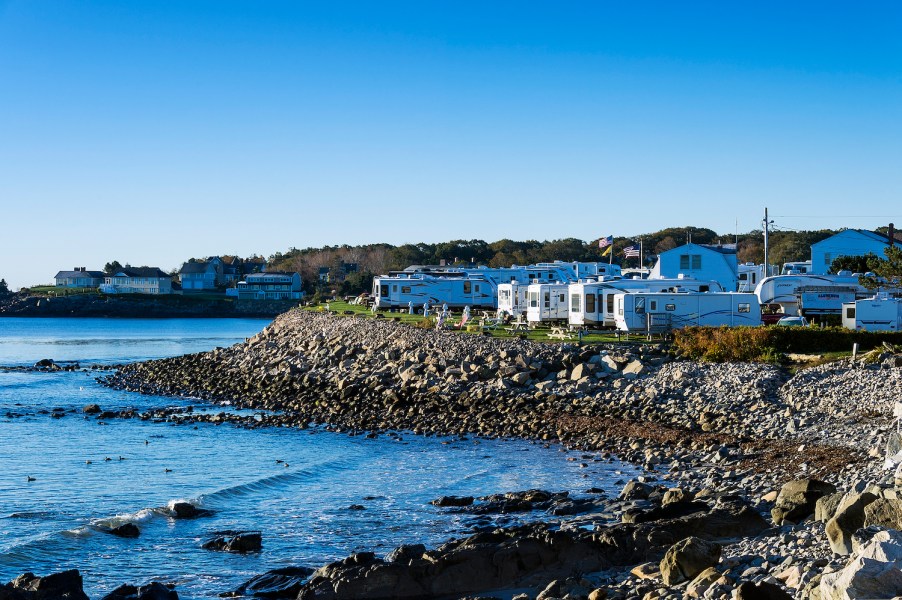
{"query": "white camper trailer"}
{"type": "Point", "coordinates": [546, 302]}
{"type": "Point", "coordinates": [592, 302]}
{"type": "Point", "coordinates": [879, 313]}
{"type": "Point", "coordinates": [455, 291]}
{"type": "Point", "coordinates": [748, 275]}
{"type": "Point", "coordinates": [512, 299]}
{"type": "Point", "coordinates": [658, 312]}
{"type": "Point", "coordinates": [784, 289]}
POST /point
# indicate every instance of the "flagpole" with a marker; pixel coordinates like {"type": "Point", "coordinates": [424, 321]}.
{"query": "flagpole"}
{"type": "Point", "coordinates": [611, 253]}
{"type": "Point", "coordinates": [640, 257]}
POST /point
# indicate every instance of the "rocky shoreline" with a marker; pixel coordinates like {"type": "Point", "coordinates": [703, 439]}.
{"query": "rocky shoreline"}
{"type": "Point", "coordinates": [164, 307]}
{"type": "Point", "coordinates": [759, 482]}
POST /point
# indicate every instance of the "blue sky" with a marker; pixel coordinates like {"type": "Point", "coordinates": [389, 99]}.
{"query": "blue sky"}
{"type": "Point", "coordinates": [150, 132]}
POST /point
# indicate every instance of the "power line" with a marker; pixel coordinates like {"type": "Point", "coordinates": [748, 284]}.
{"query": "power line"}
{"type": "Point", "coordinates": [838, 216]}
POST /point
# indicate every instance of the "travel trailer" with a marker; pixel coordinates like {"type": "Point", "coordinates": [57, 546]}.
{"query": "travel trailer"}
{"type": "Point", "coordinates": [419, 289]}
{"type": "Point", "coordinates": [749, 274]}
{"type": "Point", "coordinates": [592, 302]}
{"type": "Point", "coordinates": [476, 286]}
{"type": "Point", "coordinates": [784, 289]}
{"type": "Point", "coordinates": [818, 300]}
{"type": "Point", "coordinates": [512, 299]}
{"type": "Point", "coordinates": [546, 302]}
{"type": "Point", "coordinates": [802, 267]}
{"type": "Point", "coordinates": [653, 312]}
{"type": "Point", "coordinates": [878, 313]}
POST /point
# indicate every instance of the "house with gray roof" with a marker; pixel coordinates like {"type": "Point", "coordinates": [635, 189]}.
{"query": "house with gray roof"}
{"type": "Point", "coordinates": [79, 277]}
{"type": "Point", "coordinates": [274, 285]}
{"type": "Point", "coordinates": [201, 275]}
{"type": "Point", "coordinates": [137, 280]}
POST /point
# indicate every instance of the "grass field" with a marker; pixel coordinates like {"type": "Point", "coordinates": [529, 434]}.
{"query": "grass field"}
{"type": "Point", "coordinates": [540, 334]}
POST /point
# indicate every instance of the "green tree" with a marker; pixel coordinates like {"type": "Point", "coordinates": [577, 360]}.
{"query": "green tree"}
{"type": "Point", "coordinates": [111, 267]}
{"type": "Point", "coordinates": [888, 270]}
{"type": "Point", "coordinates": [4, 288]}
{"type": "Point", "coordinates": [856, 264]}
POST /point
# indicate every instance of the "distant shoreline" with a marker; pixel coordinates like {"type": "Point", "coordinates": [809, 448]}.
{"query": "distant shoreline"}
{"type": "Point", "coordinates": [140, 307]}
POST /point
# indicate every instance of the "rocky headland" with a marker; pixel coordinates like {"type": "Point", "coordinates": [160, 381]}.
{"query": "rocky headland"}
{"type": "Point", "coordinates": [759, 482]}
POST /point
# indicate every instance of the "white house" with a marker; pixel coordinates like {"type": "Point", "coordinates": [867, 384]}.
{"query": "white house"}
{"type": "Point", "coordinates": [274, 285]}
{"type": "Point", "coordinates": [850, 242]}
{"type": "Point", "coordinates": [700, 261]}
{"type": "Point", "coordinates": [79, 277]}
{"type": "Point", "coordinates": [137, 280]}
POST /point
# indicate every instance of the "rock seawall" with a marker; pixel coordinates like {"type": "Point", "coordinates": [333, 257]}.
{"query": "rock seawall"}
{"type": "Point", "coordinates": [171, 306]}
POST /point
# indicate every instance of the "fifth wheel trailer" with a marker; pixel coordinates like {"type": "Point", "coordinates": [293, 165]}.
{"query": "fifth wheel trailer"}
{"type": "Point", "coordinates": [649, 311]}
{"type": "Point", "coordinates": [879, 313]}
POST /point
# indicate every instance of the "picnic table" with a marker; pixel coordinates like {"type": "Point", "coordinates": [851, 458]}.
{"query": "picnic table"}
{"type": "Point", "coordinates": [560, 333]}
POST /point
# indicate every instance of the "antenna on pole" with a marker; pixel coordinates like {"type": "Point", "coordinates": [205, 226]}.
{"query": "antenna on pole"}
{"type": "Point", "coordinates": [767, 224]}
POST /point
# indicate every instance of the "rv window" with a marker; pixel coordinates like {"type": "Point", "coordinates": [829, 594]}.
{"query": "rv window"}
{"type": "Point", "coordinates": [405, 289]}
{"type": "Point", "coordinates": [703, 288]}
{"type": "Point", "coordinates": [547, 299]}
{"type": "Point", "coordinates": [467, 287]}
{"type": "Point", "coordinates": [654, 305]}
{"type": "Point", "coordinates": [670, 307]}
{"type": "Point", "coordinates": [696, 261]}
{"type": "Point", "coordinates": [561, 297]}
{"type": "Point", "coordinates": [504, 295]}
{"type": "Point", "coordinates": [590, 303]}
{"type": "Point", "coordinates": [744, 307]}
{"type": "Point", "coordinates": [574, 302]}
{"type": "Point", "coordinates": [684, 262]}
{"type": "Point", "coordinates": [394, 288]}
{"type": "Point", "coordinates": [477, 289]}
{"type": "Point", "coordinates": [384, 291]}
{"type": "Point", "coordinates": [611, 303]}
{"type": "Point", "coordinates": [534, 299]}
{"type": "Point", "coordinates": [640, 306]}
{"type": "Point", "coordinates": [620, 308]}
{"type": "Point", "coordinates": [850, 312]}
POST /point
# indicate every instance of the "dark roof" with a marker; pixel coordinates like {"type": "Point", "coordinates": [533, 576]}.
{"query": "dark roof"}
{"type": "Point", "coordinates": [74, 274]}
{"type": "Point", "coordinates": [141, 272]}
{"type": "Point", "coordinates": [194, 267]}
{"type": "Point", "coordinates": [722, 248]}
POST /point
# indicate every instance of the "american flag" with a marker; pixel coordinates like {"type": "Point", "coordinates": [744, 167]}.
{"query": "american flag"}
{"type": "Point", "coordinates": [606, 241]}
{"type": "Point", "coordinates": [631, 251]}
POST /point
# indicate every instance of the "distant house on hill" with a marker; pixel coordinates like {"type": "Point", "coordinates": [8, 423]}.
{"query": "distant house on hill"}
{"type": "Point", "coordinates": [201, 275]}
{"type": "Point", "coordinates": [700, 261]}
{"type": "Point", "coordinates": [137, 280]}
{"type": "Point", "coordinates": [277, 285]}
{"type": "Point", "coordinates": [79, 277]}
{"type": "Point", "coordinates": [849, 242]}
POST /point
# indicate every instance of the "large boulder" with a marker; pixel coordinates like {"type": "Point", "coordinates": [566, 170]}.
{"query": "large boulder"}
{"type": "Point", "coordinates": [826, 506]}
{"type": "Point", "coordinates": [848, 519]}
{"type": "Point", "coordinates": [874, 572]}
{"type": "Point", "coordinates": [152, 591]}
{"type": "Point", "coordinates": [687, 558]}
{"type": "Point", "coordinates": [797, 499]}
{"type": "Point", "coordinates": [278, 583]}
{"type": "Point", "coordinates": [636, 490]}
{"type": "Point", "coordinates": [66, 585]}
{"type": "Point", "coordinates": [884, 512]}
{"type": "Point", "coordinates": [236, 541]}
{"type": "Point", "coordinates": [186, 510]}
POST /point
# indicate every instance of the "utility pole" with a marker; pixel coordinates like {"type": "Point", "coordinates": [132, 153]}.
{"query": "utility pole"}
{"type": "Point", "coordinates": [767, 224]}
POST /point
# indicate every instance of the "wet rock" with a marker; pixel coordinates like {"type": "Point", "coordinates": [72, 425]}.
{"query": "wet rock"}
{"type": "Point", "coordinates": [152, 591]}
{"type": "Point", "coordinates": [278, 583]}
{"type": "Point", "coordinates": [186, 510]}
{"type": "Point", "coordinates": [687, 558]}
{"type": "Point", "coordinates": [406, 553]}
{"type": "Point", "coordinates": [453, 501]}
{"type": "Point", "coordinates": [66, 585]}
{"type": "Point", "coordinates": [235, 541]}
{"type": "Point", "coordinates": [126, 530]}
{"type": "Point", "coordinates": [91, 409]}
{"type": "Point", "coordinates": [636, 490]}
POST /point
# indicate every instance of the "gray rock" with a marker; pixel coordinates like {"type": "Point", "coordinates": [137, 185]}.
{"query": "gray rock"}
{"type": "Point", "coordinates": [797, 498]}
{"type": "Point", "coordinates": [848, 519]}
{"type": "Point", "coordinates": [687, 558]}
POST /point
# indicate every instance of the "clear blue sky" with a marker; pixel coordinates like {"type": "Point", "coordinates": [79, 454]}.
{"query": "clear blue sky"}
{"type": "Point", "coordinates": [150, 132]}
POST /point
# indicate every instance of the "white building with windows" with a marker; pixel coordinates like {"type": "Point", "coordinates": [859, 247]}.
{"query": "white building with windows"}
{"type": "Point", "coordinates": [274, 285]}
{"type": "Point", "coordinates": [850, 242]}
{"type": "Point", "coordinates": [700, 261]}
{"type": "Point", "coordinates": [79, 277]}
{"type": "Point", "coordinates": [138, 280]}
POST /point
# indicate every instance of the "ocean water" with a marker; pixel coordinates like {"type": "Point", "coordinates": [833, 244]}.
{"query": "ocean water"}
{"type": "Point", "coordinates": [300, 505]}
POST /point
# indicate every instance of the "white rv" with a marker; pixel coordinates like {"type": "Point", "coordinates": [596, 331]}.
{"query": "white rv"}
{"type": "Point", "coordinates": [420, 289]}
{"type": "Point", "coordinates": [657, 312]}
{"type": "Point", "coordinates": [546, 302]}
{"type": "Point", "coordinates": [784, 289]}
{"type": "Point", "coordinates": [749, 274]}
{"type": "Point", "coordinates": [802, 267]}
{"type": "Point", "coordinates": [592, 302]}
{"type": "Point", "coordinates": [879, 313]}
{"type": "Point", "coordinates": [512, 299]}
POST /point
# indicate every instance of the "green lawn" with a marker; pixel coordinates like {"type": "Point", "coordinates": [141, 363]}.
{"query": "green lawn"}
{"type": "Point", "coordinates": [540, 334]}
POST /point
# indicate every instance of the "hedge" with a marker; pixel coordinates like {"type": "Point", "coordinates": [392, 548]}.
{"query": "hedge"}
{"type": "Point", "coordinates": [767, 343]}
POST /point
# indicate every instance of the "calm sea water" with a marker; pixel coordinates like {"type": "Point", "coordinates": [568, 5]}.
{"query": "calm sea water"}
{"type": "Point", "coordinates": [301, 505]}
